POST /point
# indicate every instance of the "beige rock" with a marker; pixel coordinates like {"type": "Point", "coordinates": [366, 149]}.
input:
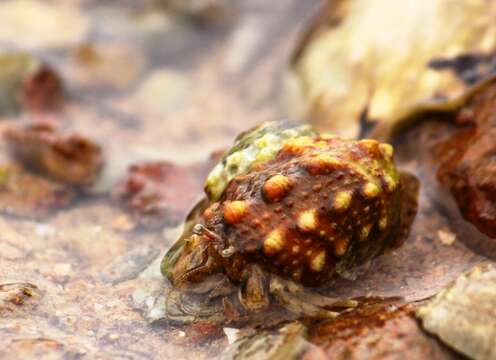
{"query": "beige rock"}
{"type": "Point", "coordinates": [463, 315]}
{"type": "Point", "coordinates": [35, 24]}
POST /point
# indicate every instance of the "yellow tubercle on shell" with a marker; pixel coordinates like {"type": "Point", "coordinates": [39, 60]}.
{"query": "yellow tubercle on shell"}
{"type": "Point", "coordinates": [307, 221]}
{"type": "Point", "coordinates": [234, 211]}
{"type": "Point", "coordinates": [390, 182]}
{"type": "Point", "coordinates": [370, 144]}
{"type": "Point", "coordinates": [297, 145]}
{"type": "Point", "coordinates": [387, 150]}
{"type": "Point", "coordinates": [327, 136]}
{"type": "Point", "coordinates": [322, 144]}
{"type": "Point", "coordinates": [276, 187]}
{"type": "Point", "coordinates": [371, 190]}
{"type": "Point", "coordinates": [365, 231]}
{"type": "Point", "coordinates": [274, 242]}
{"type": "Point", "coordinates": [318, 261]}
{"type": "Point", "coordinates": [325, 162]}
{"type": "Point", "coordinates": [342, 200]}
{"type": "Point", "coordinates": [383, 222]}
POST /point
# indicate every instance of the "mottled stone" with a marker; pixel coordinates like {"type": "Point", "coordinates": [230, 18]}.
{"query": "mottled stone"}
{"type": "Point", "coordinates": [462, 315]}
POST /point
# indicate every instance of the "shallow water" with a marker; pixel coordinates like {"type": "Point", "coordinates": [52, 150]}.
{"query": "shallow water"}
{"type": "Point", "coordinates": [149, 84]}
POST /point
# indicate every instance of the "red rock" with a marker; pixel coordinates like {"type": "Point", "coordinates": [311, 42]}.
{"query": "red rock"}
{"type": "Point", "coordinates": [377, 331]}
{"type": "Point", "coordinates": [67, 157]}
{"type": "Point", "coordinates": [42, 91]}
{"type": "Point", "coordinates": [161, 193]}
{"type": "Point", "coordinates": [467, 161]}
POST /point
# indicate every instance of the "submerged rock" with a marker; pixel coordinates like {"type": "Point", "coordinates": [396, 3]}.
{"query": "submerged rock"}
{"type": "Point", "coordinates": [18, 297]}
{"type": "Point", "coordinates": [160, 193]}
{"type": "Point", "coordinates": [29, 195]}
{"type": "Point", "coordinates": [42, 91]}
{"type": "Point", "coordinates": [37, 24]}
{"type": "Point", "coordinates": [66, 157]}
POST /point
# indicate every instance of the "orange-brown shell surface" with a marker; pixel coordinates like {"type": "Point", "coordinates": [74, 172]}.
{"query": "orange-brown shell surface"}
{"type": "Point", "coordinates": [322, 205]}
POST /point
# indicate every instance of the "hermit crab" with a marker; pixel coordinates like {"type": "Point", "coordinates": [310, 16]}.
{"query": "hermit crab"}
{"type": "Point", "coordinates": [297, 210]}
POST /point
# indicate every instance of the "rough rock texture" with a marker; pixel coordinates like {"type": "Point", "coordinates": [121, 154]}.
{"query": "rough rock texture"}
{"type": "Point", "coordinates": [42, 91]}
{"type": "Point", "coordinates": [378, 331]}
{"type": "Point", "coordinates": [47, 149]}
{"type": "Point", "coordinates": [467, 164]}
{"type": "Point", "coordinates": [29, 195]}
{"type": "Point", "coordinates": [288, 342]}
{"type": "Point", "coordinates": [16, 298]}
{"type": "Point", "coordinates": [462, 315]}
{"type": "Point", "coordinates": [454, 150]}
{"type": "Point", "coordinates": [161, 193]}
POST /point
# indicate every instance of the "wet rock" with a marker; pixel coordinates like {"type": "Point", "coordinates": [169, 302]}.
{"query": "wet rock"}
{"type": "Point", "coordinates": [42, 91]}
{"type": "Point", "coordinates": [286, 343]}
{"type": "Point", "coordinates": [210, 13]}
{"type": "Point", "coordinates": [462, 315]}
{"type": "Point", "coordinates": [25, 194]}
{"type": "Point", "coordinates": [374, 331]}
{"type": "Point", "coordinates": [130, 265]}
{"type": "Point", "coordinates": [161, 193]}
{"type": "Point", "coordinates": [467, 161]}
{"type": "Point", "coordinates": [41, 348]}
{"type": "Point", "coordinates": [28, 83]}
{"type": "Point", "coordinates": [15, 68]}
{"type": "Point", "coordinates": [36, 24]}
{"type": "Point", "coordinates": [106, 66]}
{"type": "Point", "coordinates": [66, 157]}
{"type": "Point", "coordinates": [202, 332]}
{"type": "Point", "coordinates": [163, 91]}
{"type": "Point", "coordinates": [18, 297]}
{"type": "Point", "coordinates": [453, 146]}
{"type": "Point", "coordinates": [350, 49]}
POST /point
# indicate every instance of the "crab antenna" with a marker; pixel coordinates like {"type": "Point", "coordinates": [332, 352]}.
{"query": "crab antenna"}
{"type": "Point", "coordinates": [200, 229]}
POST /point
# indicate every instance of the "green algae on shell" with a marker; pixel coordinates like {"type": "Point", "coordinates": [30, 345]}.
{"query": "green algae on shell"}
{"type": "Point", "coordinates": [251, 147]}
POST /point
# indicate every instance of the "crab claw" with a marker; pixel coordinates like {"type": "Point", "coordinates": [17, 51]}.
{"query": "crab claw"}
{"type": "Point", "coordinates": [190, 260]}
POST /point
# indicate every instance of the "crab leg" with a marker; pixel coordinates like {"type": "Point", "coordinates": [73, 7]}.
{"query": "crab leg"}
{"type": "Point", "coordinates": [303, 302]}
{"type": "Point", "coordinates": [317, 299]}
